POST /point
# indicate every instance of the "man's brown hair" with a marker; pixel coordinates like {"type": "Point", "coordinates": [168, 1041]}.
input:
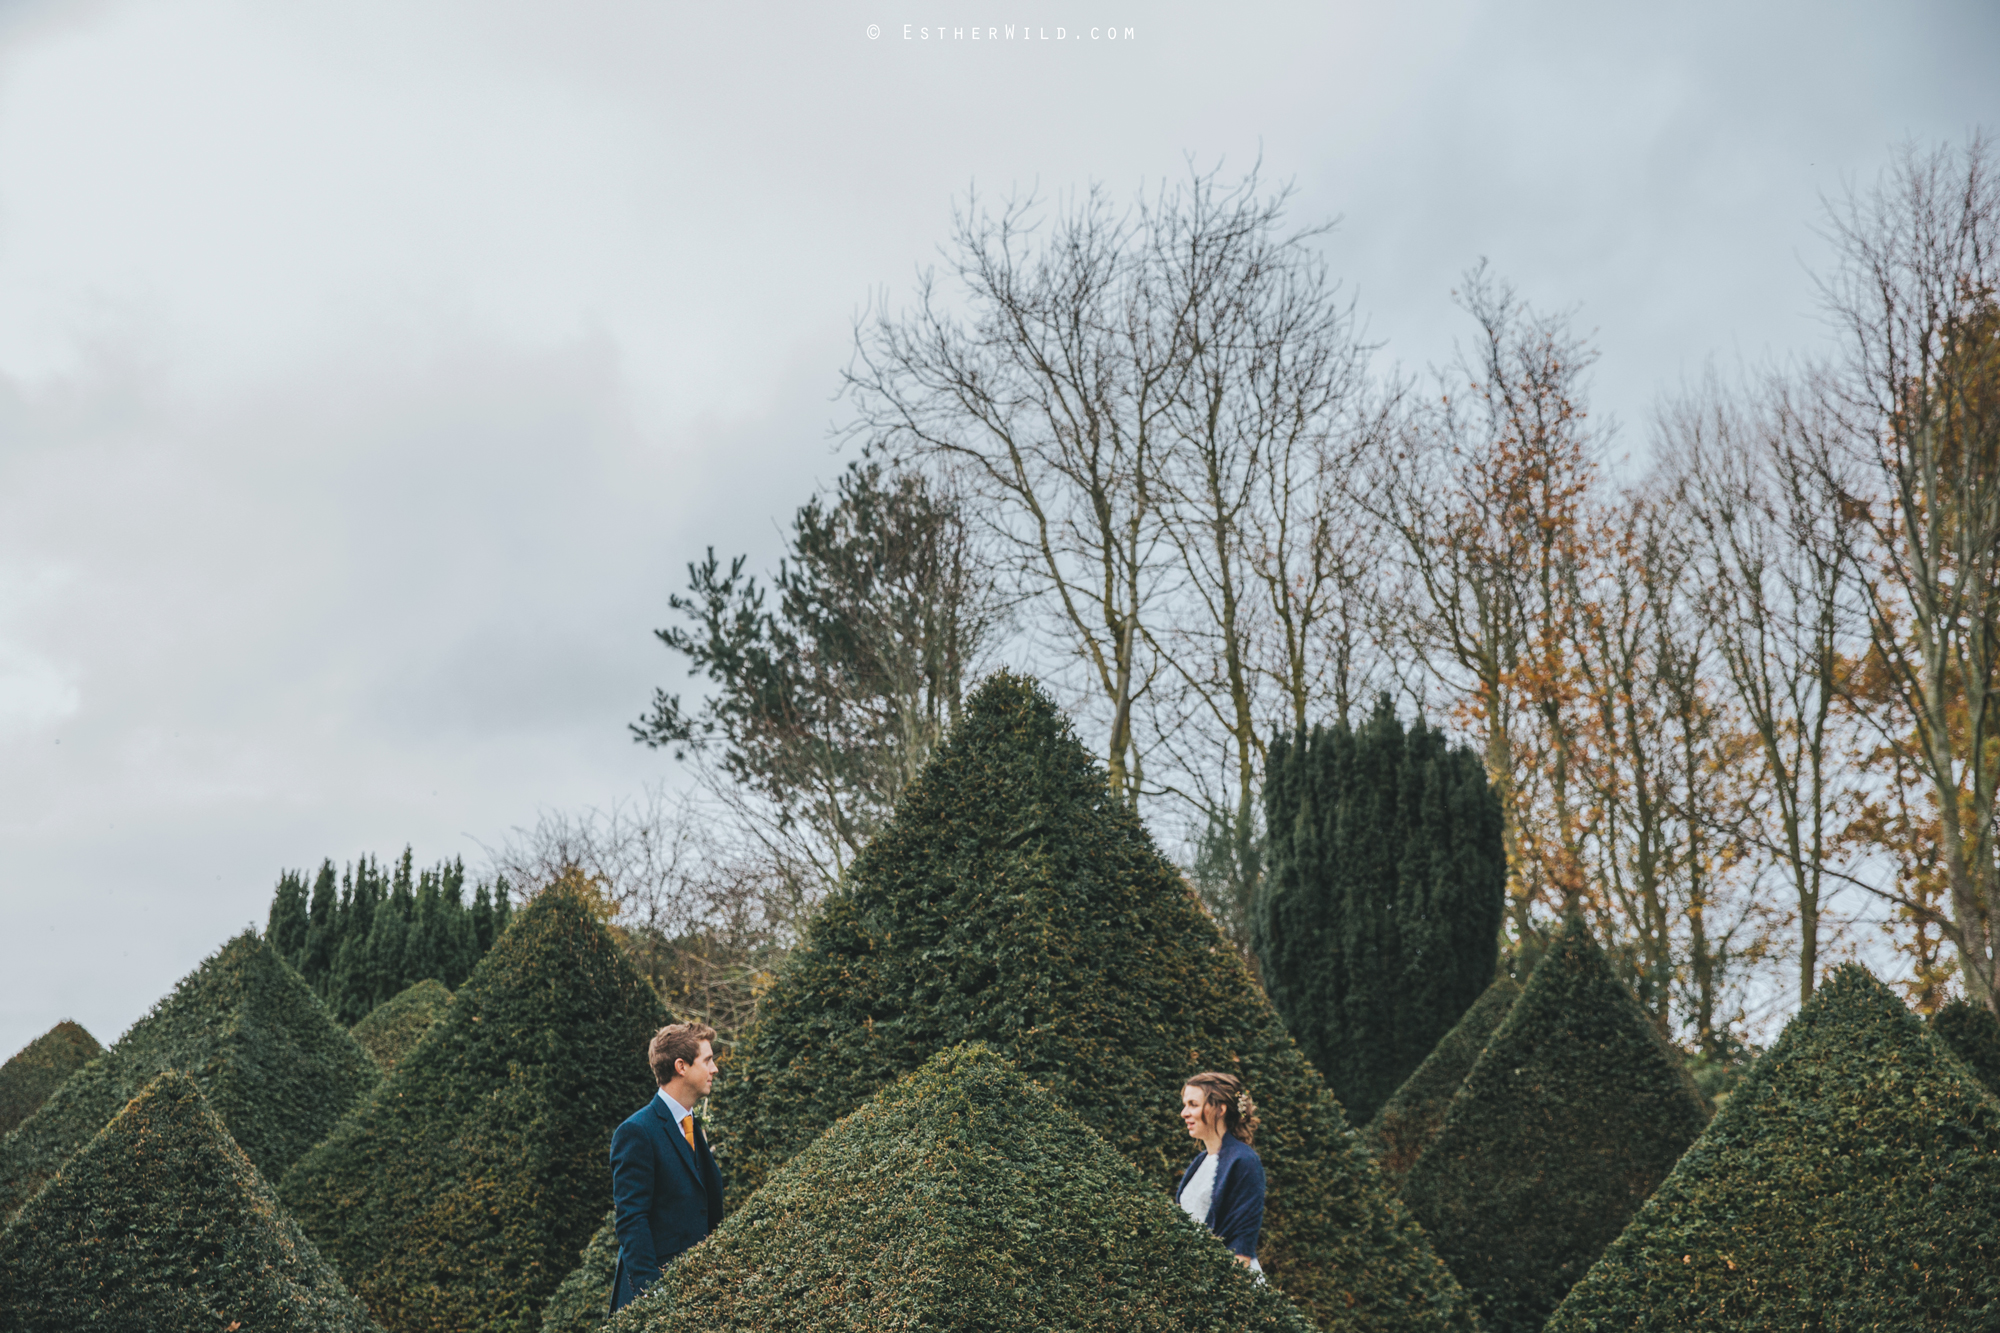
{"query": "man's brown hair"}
{"type": "Point", "coordinates": [676, 1041]}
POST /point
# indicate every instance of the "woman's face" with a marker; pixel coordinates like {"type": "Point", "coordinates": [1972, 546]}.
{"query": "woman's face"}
{"type": "Point", "coordinates": [1196, 1113]}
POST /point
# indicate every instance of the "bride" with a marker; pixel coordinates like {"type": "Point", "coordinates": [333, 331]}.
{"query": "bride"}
{"type": "Point", "coordinates": [1223, 1187]}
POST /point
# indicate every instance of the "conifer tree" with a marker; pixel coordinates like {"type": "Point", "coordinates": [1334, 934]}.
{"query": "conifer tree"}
{"type": "Point", "coordinates": [1851, 1181]}
{"type": "Point", "coordinates": [961, 1197]}
{"type": "Point", "coordinates": [1410, 1119]}
{"type": "Point", "coordinates": [394, 1027]}
{"type": "Point", "coordinates": [1972, 1031]}
{"type": "Point", "coordinates": [269, 1058]}
{"type": "Point", "coordinates": [1012, 899]}
{"type": "Point", "coordinates": [161, 1222]}
{"type": "Point", "coordinates": [39, 1068]}
{"type": "Point", "coordinates": [1377, 924]}
{"type": "Point", "coordinates": [1569, 1118]}
{"type": "Point", "coordinates": [460, 1196]}
{"type": "Point", "coordinates": [289, 922]}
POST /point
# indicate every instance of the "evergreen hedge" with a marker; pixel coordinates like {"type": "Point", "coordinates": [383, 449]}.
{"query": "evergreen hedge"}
{"type": "Point", "coordinates": [267, 1055]}
{"type": "Point", "coordinates": [1571, 1116]}
{"type": "Point", "coordinates": [161, 1222]}
{"type": "Point", "coordinates": [1852, 1181]}
{"type": "Point", "coordinates": [394, 1027]}
{"type": "Point", "coordinates": [1973, 1033]}
{"type": "Point", "coordinates": [1408, 1121]}
{"type": "Point", "coordinates": [961, 1197]}
{"type": "Point", "coordinates": [39, 1068]}
{"type": "Point", "coordinates": [1377, 925]}
{"type": "Point", "coordinates": [1012, 900]}
{"type": "Point", "coordinates": [458, 1196]}
{"type": "Point", "coordinates": [583, 1301]}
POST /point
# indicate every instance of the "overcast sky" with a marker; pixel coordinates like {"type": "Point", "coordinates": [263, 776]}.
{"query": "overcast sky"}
{"type": "Point", "coordinates": [368, 372]}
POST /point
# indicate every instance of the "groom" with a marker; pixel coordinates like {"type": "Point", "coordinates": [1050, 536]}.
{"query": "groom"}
{"type": "Point", "coordinates": [664, 1184]}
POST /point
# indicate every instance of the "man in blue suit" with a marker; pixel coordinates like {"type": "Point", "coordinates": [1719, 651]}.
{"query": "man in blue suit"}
{"type": "Point", "coordinates": [665, 1187]}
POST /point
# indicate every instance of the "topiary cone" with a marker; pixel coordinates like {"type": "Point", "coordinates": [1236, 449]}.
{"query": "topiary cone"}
{"type": "Point", "coordinates": [1852, 1181]}
{"type": "Point", "coordinates": [1571, 1116]}
{"type": "Point", "coordinates": [1012, 900]}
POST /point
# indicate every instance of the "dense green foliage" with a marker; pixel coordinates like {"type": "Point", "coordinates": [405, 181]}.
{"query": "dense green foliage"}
{"type": "Point", "coordinates": [364, 937]}
{"type": "Point", "coordinates": [1852, 1181]}
{"type": "Point", "coordinates": [1408, 1121]}
{"type": "Point", "coordinates": [583, 1301]}
{"type": "Point", "coordinates": [1571, 1116]}
{"type": "Point", "coordinates": [394, 1027]}
{"type": "Point", "coordinates": [269, 1058]}
{"type": "Point", "coordinates": [40, 1067]}
{"type": "Point", "coordinates": [1012, 900]}
{"type": "Point", "coordinates": [962, 1197]}
{"type": "Point", "coordinates": [458, 1196]}
{"type": "Point", "coordinates": [1377, 924]}
{"type": "Point", "coordinates": [1973, 1033]}
{"type": "Point", "coordinates": [161, 1222]}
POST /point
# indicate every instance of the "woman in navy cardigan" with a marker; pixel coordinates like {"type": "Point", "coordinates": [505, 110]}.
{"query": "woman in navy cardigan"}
{"type": "Point", "coordinates": [1223, 1188]}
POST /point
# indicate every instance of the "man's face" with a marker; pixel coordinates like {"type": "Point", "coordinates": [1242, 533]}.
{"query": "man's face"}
{"type": "Point", "coordinates": [699, 1076]}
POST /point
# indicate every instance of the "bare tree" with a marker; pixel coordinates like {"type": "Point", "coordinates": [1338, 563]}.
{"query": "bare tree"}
{"type": "Point", "coordinates": [1489, 503]}
{"type": "Point", "coordinates": [1776, 588]}
{"type": "Point", "coordinates": [1048, 395]}
{"type": "Point", "coordinates": [1916, 299]}
{"type": "Point", "coordinates": [704, 918]}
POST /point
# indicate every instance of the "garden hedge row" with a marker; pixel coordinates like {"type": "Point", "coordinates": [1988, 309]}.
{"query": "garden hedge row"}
{"type": "Point", "coordinates": [266, 1053]}
{"type": "Point", "coordinates": [1973, 1033]}
{"type": "Point", "coordinates": [1411, 1118]}
{"type": "Point", "coordinates": [394, 1027]}
{"type": "Point", "coordinates": [1012, 900]}
{"type": "Point", "coordinates": [1852, 1181]}
{"type": "Point", "coordinates": [40, 1067]}
{"type": "Point", "coordinates": [458, 1196]}
{"type": "Point", "coordinates": [961, 1197]}
{"type": "Point", "coordinates": [161, 1222]}
{"type": "Point", "coordinates": [1571, 1116]}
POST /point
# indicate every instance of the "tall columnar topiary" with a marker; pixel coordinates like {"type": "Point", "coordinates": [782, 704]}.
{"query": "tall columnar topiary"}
{"type": "Point", "coordinates": [1973, 1033]}
{"type": "Point", "coordinates": [1012, 900]}
{"type": "Point", "coordinates": [161, 1222]}
{"type": "Point", "coordinates": [394, 1027]}
{"type": "Point", "coordinates": [1410, 1119]}
{"type": "Point", "coordinates": [962, 1197]}
{"type": "Point", "coordinates": [1852, 1181]}
{"type": "Point", "coordinates": [39, 1068]}
{"type": "Point", "coordinates": [583, 1301]}
{"type": "Point", "coordinates": [458, 1196]}
{"type": "Point", "coordinates": [1377, 924]}
{"type": "Point", "coordinates": [267, 1054]}
{"type": "Point", "coordinates": [1571, 1116]}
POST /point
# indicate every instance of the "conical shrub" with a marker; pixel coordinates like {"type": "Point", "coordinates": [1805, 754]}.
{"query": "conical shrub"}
{"type": "Point", "coordinates": [266, 1053]}
{"type": "Point", "coordinates": [1012, 900]}
{"type": "Point", "coordinates": [40, 1067]}
{"type": "Point", "coordinates": [962, 1197]}
{"type": "Point", "coordinates": [161, 1222]}
{"type": "Point", "coordinates": [1411, 1118]}
{"type": "Point", "coordinates": [459, 1195]}
{"type": "Point", "coordinates": [583, 1301]}
{"type": "Point", "coordinates": [1852, 1181]}
{"type": "Point", "coordinates": [1571, 1116]}
{"type": "Point", "coordinates": [394, 1027]}
{"type": "Point", "coordinates": [1973, 1033]}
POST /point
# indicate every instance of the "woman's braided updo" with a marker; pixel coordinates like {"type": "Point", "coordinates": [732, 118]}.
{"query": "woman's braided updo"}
{"type": "Point", "coordinates": [1226, 1091]}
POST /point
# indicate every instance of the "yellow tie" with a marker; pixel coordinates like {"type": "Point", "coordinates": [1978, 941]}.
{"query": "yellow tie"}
{"type": "Point", "coordinates": [687, 1128]}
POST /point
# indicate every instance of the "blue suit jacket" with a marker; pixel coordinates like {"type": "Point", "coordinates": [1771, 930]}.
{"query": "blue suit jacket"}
{"type": "Point", "coordinates": [1236, 1209]}
{"type": "Point", "coordinates": [665, 1196]}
